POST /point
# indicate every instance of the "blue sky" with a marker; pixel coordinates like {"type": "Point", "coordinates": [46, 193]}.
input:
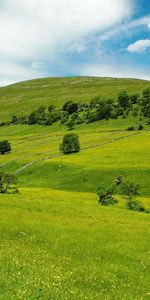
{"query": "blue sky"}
{"type": "Point", "coordinates": [74, 37]}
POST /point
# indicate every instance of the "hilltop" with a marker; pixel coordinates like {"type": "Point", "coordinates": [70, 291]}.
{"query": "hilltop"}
{"type": "Point", "coordinates": [23, 97]}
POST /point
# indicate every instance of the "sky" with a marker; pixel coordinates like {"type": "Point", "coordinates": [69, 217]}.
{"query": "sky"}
{"type": "Point", "coordinates": [74, 38]}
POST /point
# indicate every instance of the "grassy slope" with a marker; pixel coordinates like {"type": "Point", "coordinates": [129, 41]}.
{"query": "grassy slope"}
{"type": "Point", "coordinates": [29, 95]}
{"type": "Point", "coordinates": [55, 241]}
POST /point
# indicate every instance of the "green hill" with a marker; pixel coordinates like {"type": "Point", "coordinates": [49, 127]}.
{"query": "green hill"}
{"type": "Point", "coordinates": [56, 242]}
{"type": "Point", "coordinates": [21, 98]}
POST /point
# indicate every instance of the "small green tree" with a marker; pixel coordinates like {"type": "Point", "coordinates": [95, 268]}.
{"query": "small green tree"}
{"type": "Point", "coordinates": [51, 108]}
{"type": "Point", "coordinates": [8, 183]}
{"type": "Point", "coordinates": [70, 144]}
{"type": "Point", "coordinates": [14, 119]}
{"type": "Point", "coordinates": [106, 194]}
{"type": "Point", "coordinates": [5, 147]}
{"type": "Point", "coordinates": [130, 190]}
{"type": "Point", "coordinates": [32, 118]}
{"type": "Point", "coordinates": [123, 100]}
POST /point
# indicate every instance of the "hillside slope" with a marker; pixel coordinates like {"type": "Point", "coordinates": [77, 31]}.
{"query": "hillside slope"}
{"type": "Point", "coordinates": [21, 98]}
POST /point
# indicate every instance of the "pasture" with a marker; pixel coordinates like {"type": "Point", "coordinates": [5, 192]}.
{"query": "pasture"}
{"type": "Point", "coordinates": [56, 242]}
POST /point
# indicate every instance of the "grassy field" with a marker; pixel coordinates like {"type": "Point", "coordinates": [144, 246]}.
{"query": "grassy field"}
{"type": "Point", "coordinates": [29, 95]}
{"type": "Point", "coordinates": [56, 242]}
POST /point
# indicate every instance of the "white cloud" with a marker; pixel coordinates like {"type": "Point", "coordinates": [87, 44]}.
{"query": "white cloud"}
{"type": "Point", "coordinates": [35, 30]}
{"type": "Point", "coordinates": [139, 46]}
{"type": "Point", "coordinates": [128, 28]}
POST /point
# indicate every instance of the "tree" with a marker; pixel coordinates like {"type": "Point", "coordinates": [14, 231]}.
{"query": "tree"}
{"type": "Point", "coordinates": [51, 108]}
{"type": "Point", "coordinates": [104, 109]}
{"type": "Point", "coordinates": [14, 119]}
{"type": "Point", "coordinates": [33, 118]}
{"type": "Point", "coordinates": [123, 100]}
{"type": "Point", "coordinates": [145, 103]}
{"type": "Point", "coordinates": [105, 194]}
{"type": "Point", "coordinates": [130, 190]}
{"type": "Point", "coordinates": [70, 144]}
{"type": "Point", "coordinates": [8, 183]}
{"type": "Point", "coordinates": [134, 98]}
{"type": "Point", "coordinates": [5, 147]}
{"type": "Point", "coordinates": [41, 110]}
{"type": "Point", "coordinates": [70, 107]}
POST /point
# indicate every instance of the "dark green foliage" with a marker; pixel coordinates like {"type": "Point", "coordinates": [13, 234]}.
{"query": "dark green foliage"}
{"type": "Point", "coordinates": [118, 180]}
{"type": "Point", "coordinates": [129, 189]}
{"type": "Point", "coordinates": [14, 120]}
{"type": "Point", "coordinates": [64, 117]}
{"type": "Point", "coordinates": [5, 147]}
{"type": "Point", "coordinates": [105, 195]}
{"type": "Point", "coordinates": [70, 107]}
{"type": "Point", "coordinates": [49, 119]}
{"type": "Point", "coordinates": [145, 103]}
{"type": "Point", "coordinates": [147, 121]}
{"type": "Point", "coordinates": [51, 108]}
{"type": "Point", "coordinates": [131, 128]}
{"type": "Point", "coordinates": [8, 183]}
{"type": "Point", "coordinates": [41, 110]}
{"type": "Point", "coordinates": [135, 205]}
{"type": "Point", "coordinates": [134, 98]}
{"type": "Point", "coordinates": [123, 100]}
{"type": "Point", "coordinates": [2, 123]}
{"type": "Point", "coordinates": [33, 118]}
{"type": "Point", "coordinates": [104, 109]}
{"type": "Point", "coordinates": [140, 127]}
{"type": "Point", "coordinates": [70, 144]}
{"type": "Point", "coordinates": [70, 124]}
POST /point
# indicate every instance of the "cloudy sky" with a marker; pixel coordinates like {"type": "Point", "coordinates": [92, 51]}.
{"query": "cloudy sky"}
{"type": "Point", "coordinates": [74, 37]}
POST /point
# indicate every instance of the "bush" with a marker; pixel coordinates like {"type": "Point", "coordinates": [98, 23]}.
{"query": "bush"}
{"type": "Point", "coordinates": [70, 107]}
{"type": "Point", "coordinates": [14, 120]}
{"type": "Point", "coordinates": [70, 144]}
{"type": "Point", "coordinates": [135, 205]}
{"type": "Point", "coordinates": [131, 128]}
{"type": "Point", "coordinates": [140, 127]}
{"type": "Point", "coordinates": [105, 195]}
{"type": "Point", "coordinates": [123, 100]}
{"type": "Point", "coordinates": [8, 183]}
{"type": "Point", "coordinates": [5, 147]}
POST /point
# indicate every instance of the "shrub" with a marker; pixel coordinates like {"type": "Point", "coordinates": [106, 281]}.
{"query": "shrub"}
{"type": "Point", "coordinates": [5, 147]}
{"type": "Point", "coordinates": [2, 123]}
{"type": "Point", "coordinates": [147, 121]}
{"type": "Point", "coordinates": [33, 118]}
{"type": "Point", "coordinates": [14, 119]}
{"type": "Point", "coordinates": [70, 107]}
{"type": "Point", "coordinates": [129, 189]}
{"type": "Point", "coordinates": [105, 195]}
{"type": "Point", "coordinates": [51, 108]}
{"type": "Point", "coordinates": [123, 100]}
{"type": "Point", "coordinates": [8, 183]}
{"type": "Point", "coordinates": [70, 144]}
{"type": "Point", "coordinates": [131, 128]}
{"type": "Point", "coordinates": [140, 127]}
{"type": "Point", "coordinates": [135, 205]}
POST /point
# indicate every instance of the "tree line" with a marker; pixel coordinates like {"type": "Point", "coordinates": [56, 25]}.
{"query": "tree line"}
{"type": "Point", "coordinates": [73, 113]}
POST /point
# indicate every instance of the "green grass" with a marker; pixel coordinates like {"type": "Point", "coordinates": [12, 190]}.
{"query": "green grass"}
{"type": "Point", "coordinates": [29, 95]}
{"type": "Point", "coordinates": [62, 245]}
{"type": "Point", "coordinates": [56, 242]}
